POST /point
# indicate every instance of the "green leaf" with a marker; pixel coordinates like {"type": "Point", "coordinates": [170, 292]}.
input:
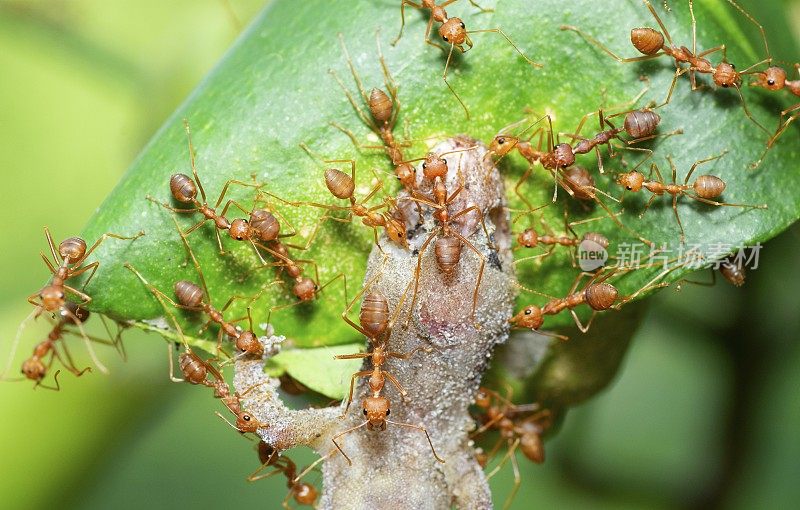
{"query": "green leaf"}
{"type": "Point", "coordinates": [272, 91]}
{"type": "Point", "coordinates": [317, 368]}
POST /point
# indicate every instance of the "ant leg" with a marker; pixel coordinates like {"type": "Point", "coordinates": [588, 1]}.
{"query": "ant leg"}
{"type": "Point", "coordinates": [660, 24]}
{"type": "Point", "coordinates": [170, 208]}
{"type": "Point", "coordinates": [396, 383]}
{"type": "Point", "coordinates": [444, 77]}
{"type": "Point", "coordinates": [238, 183]}
{"type": "Point", "coordinates": [52, 245]}
{"type": "Point", "coordinates": [760, 28]}
{"type": "Point", "coordinates": [581, 327]}
{"type": "Point", "coordinates": [747, 112]}
{"type": "Point", "coordinates": [610, 53]}
{"type": "Point", "coordinates": [160, 296]}
{"type": "Point", "coordinates": [88, 342]}
{"type": "Point", "coordinates": [191, 255]}
{"type": "Point", "coordinates": [70, 363]}
{"type": "Point", "coordinates": [17, 338]}
{"type": "Point", "coordinates": [534, 257]}
{"type": "Point", "coordinates": [403, 20]}
{"type": "Point", "coordinates": [695, 165]}
{"type": "Point", "coordinates": [482, 9]}
{"type": "Point", "coordinates": [337, 436]}
{"type": "Point", "coordinates": [715, 203]}
{"type": "Point", "coordinates": [93, 266]}
{"type": "Point", "coordinates": [517, 477]}
{"type": "Point", "coordinates": [192, 161]}
{"type": "Point", "coordinates": [57, 386]}
{"type": "Point", "coordinates": [103, 238]}
{"type": "Point", "coordinates": [48, 263]}
{"type": "Point", "coordinates": [236, 204]}
{"type": "Point", "coordinates": [678, 72]}
{"type": "Point", "coordinates": [364, 118]}
{"type": "Point", "coordinates": [420, 428]}
{"type": "Point", "coordinates": [499, 31]}
{"type": "Point", "coordinates": [480, 275]}
{"type": "Point", "coordinates": [417, 271]}
{"type": "Point", "coordinates": [362, 373]}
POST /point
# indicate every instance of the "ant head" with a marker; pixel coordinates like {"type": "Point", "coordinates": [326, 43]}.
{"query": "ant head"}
{"type": "Point", "coordinates": [304, 493]}
{"type": "Point", "coordinates": [52, 297]}
{"type": "Point", "coordinates": [405, 174]}
{"type": "Point", "coordinates": [182, 187]}
{"type": "Point", "coordinates": [380, 105]}
{"type": "Point", "coordinates": [247, 342]}
{"type": "Point", "coordinates": [503, 144]}
{"type": "Point", "coordinates": [530, 317]}
{"type": "Point", "coordinates": [72, 249]}
{"type": "Point", "coordinates": [725, 75]}
{"type": "Point", "coordinates": [239, 229]}
{"type": "Point", "coordinates": [246, 422]}
{"type": "Point", "coordinates": [376, 409]}
{"type": "Point", "coordinates": [34, 369]}
{"type": "Point", "coordinates": [188, 293]}
{"type": "Point", "coordinates": [528, 238]}
{"type": "Point", "coordinates": [73, 313]}
{"type": "Point", "coordinates": [434, 166]}
{"type": "Point", "coordinates": [773, 78]}
{"type": "Point", "coordinates": [632, 181]}
{"type": "Point", "coordinates": [454, 32]}
{"type": "Point", "coordinates": [305, 289]}
{"type": "Point", "coordinates": [483, 399]}
{"type": "Point", "coordinates": [564, 155]}
{"type": "Point", "coordinates": [646, 40]}
{"type": "Point", "coordinates": [396, 230]}
{"type": "Point", "coordinates": [481, 457]}
{"type": "Point", "coordinates": [601, 296]}
{"type": "Point", "coordinates": [339, 183]}
{"type": "Point", "coordinates": [265, 224]}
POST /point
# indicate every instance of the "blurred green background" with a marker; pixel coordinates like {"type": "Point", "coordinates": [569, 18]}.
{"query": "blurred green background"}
{"type": "Point", "coordinates": [704, 414]}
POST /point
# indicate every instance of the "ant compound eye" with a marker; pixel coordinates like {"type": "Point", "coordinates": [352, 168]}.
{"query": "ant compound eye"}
{"type": "Point", "coordinates": [445, 38]}
{"type": "Point", "coordinates": [246, 417]}
{"type": "Point", "coordinates": [771, 82]}
{"type": "Point", "coordinates": [462, 25]}
{"type": "Point", "coordinates": [501, 141]}
{"type": "Point", "coordinates": [388, 412]}
{"type": "Point", "coordinates": [365, 412]}
{"type": "Point", "coordinates": [629, 188]}
{"type": "Point", "coordinates": [528, 311]}
{"type": "Point", "coordinates": [733, 66]}
{"type": "Point", "coordinates": [424, 165]}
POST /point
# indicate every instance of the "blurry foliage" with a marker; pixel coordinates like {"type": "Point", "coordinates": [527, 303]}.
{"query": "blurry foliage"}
{"type": "Point", "coordinates": [85, 96]}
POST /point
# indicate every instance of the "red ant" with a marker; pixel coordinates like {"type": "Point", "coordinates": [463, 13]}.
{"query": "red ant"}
{"type": "Point", "coordinates": [518, 429]}
{"type": "Point", "coordinates": [598, 294]}
{"type": "Point", "coordinates": [375, 322]}
{"type": "Point", "coordinates": [453, 32]}
{"type": "Point", "coordinates": [342, 186]}
{"type": "Point", "coordinates": [530, 238]}
{"type": "Point", "coordinates": [37, 366]}
{"type": "Point", "coordinates": [704, 189]}
{"type": "Point", "coordinates": [72, 254]}
{"type": "Point", "coordinates": [383, 108]}
{"type": "Point", "coordinates": [651, 44]}
{"type": "Point", "coordinates": [262, 224]}
{"type": "Point", "coordinates": [303, 493]}
{"type": "Point", "coordinates": [194, 369]}
{"type": "Point", "coordinates": [557, 161]}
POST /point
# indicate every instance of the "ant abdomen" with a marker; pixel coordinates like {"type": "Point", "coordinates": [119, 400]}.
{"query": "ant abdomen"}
{"type": "Point", "coordinates": [532, 447]}
{"type": "Point", "coordinates": [339, 183]}
{"type": "Point", "coordinates": [641, 123]}
{"type": "Point", "coordinates": [601, 296]}
{"type": "Point", "coordinates": [72, 249]}
{"type": "Point", "coordinates": [709, 186]}
{"type": "Point", "coordinates": [647, 40]}
{"type": "Point", "coordinates": [265, 224]}
{"type": "Point", "coordinates": [733, 272]}
{"type": "Point", "coordinates": [580, 181]}
{"type": "Point", "coordinates": [596, 238]}
{"type": "Point", "coordinates": [448, 252]}
{"type": "Point", "coordinates": [374, 315]}
{"type": "Point", "coordinates": [380, 105]}
{"type": "Point", "coordinates": [193, 368]}
{"type": "Point", "coordinates": [304, 493]}
{"type": "Point", "coordinates": [188, 294]}
{"type": "Point", "coordinates": [182, 187]}
{"type": "Point", "coordinates": [73, 313]}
